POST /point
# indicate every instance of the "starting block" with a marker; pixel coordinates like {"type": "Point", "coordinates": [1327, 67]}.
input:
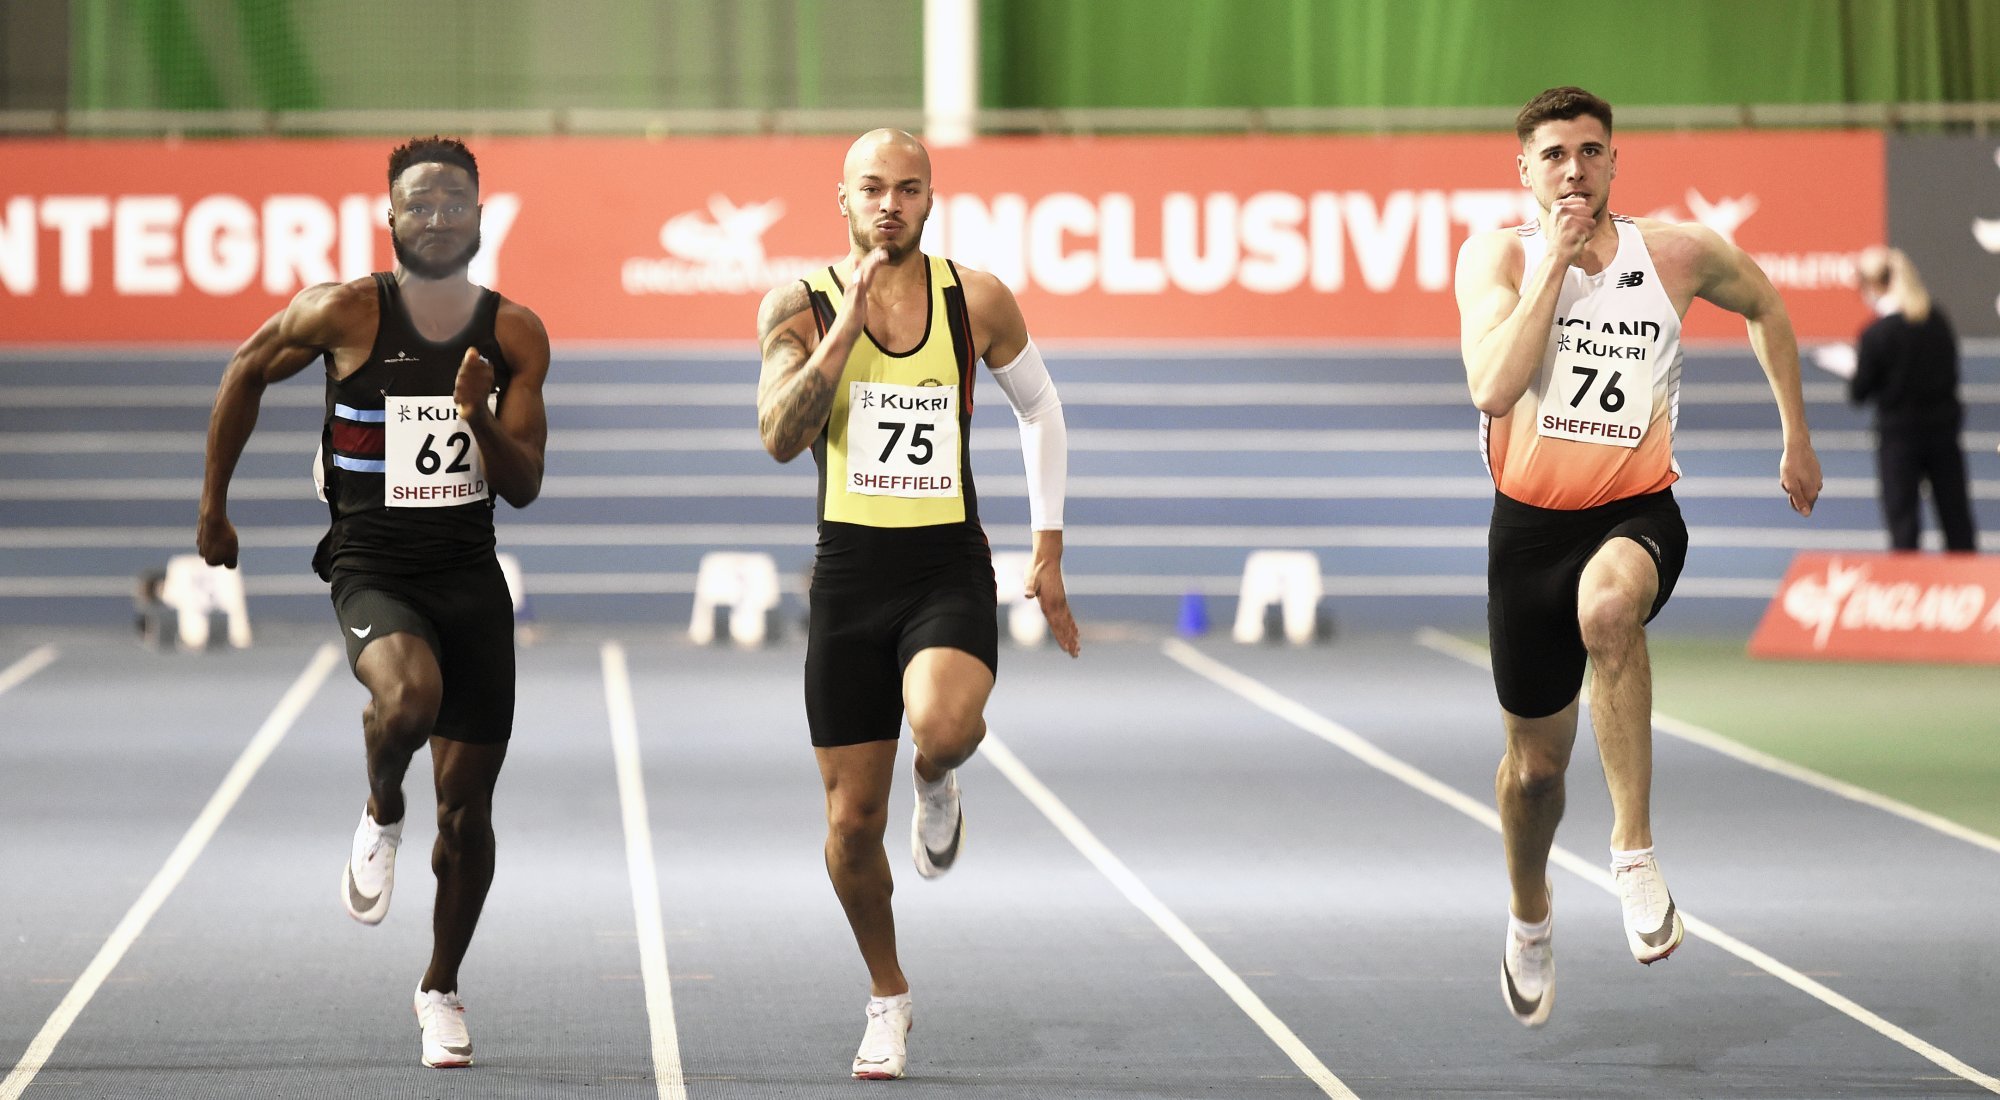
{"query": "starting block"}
{"type": "Point", "coordinates": [194, 590]}
{"type": "Point", "coordinates": [1288, 578]}
{"type": "Point", "coordinates": [1025, 623]}
{"type": "Point", "coordinates": [744, 582]}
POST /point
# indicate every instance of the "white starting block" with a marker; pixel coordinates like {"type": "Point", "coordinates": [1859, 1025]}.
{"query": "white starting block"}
{"type": "Point", "coordinates": [195, 590]}
{"type": "Point", "coordinates": [744, 582]}
{"type": "Point", "coordinates": [1288, 578]}
{"type": "Point", "coordinates": [1025, 623]}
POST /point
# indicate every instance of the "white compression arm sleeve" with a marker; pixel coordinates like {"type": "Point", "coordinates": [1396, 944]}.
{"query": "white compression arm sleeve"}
{"type": "Point", "coordinates": [1044, 438]}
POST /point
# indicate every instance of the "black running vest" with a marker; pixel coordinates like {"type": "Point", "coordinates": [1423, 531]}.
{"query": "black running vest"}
{"type": "Point", "coordinates": [366, 534]}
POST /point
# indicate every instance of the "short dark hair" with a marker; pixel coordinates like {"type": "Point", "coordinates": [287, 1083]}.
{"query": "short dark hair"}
{"type": "Point", "coordinates": [1560, 105]}
{"type": "Point", "coordinates": [432, 150]}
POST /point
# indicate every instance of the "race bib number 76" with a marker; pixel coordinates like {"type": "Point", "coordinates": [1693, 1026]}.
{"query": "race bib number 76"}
{"type": "Point", "coordinates": [430, 459]}
{"type": "Point", "coordinates": [1600, 388]}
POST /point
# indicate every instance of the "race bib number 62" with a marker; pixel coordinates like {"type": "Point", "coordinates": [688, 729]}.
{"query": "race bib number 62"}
{"type": "Point", "coordinates": [429, 457]}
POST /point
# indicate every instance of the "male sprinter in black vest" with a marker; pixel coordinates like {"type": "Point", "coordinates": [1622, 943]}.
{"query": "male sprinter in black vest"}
{"type": "Point", "coordinates": [433, 407]}
{"type": "Point", "coordinates": [870, 363]}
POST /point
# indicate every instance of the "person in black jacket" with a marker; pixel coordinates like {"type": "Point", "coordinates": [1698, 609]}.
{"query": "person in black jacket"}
{"type": "Point", "coordinates": [1907, 364]}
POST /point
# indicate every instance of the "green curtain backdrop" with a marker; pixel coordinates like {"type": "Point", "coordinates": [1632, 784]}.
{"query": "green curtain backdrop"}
{"type": "Point", "coordinates": [1462, 53]}
{"type": "Point", "coordinates": [765, 54]}
{"type": "Point", "coordinates": [495, 54]}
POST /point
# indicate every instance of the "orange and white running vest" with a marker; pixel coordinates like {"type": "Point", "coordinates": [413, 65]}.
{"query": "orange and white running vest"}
{"type": "Point", "coordinates": [1596, 424]}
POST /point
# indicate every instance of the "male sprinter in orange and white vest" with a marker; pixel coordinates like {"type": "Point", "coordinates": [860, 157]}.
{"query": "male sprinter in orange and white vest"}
{"type": "Point", "coordinates": [1570, 328]}
{"type": "Point", "coordinates": [870, 363]}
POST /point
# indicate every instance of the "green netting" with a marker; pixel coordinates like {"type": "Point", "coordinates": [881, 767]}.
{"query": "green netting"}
{"type": "Point", "coordinates": [767, 54]}
{"type": "Point", "coordinates": [495, 54]}
{"type": "Point", "coordinates": [1461, 53]}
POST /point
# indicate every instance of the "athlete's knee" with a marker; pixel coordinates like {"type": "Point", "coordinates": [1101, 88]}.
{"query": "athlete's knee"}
{"type": "Point", "coordinates": [946, 735]}
{"type": "Point", "coordinates": [465, 825]}
{"type": "Point", "coordinates": [1534, 777]}
{"type": "Point", "coordinates": [854, 827]}
{"type": "Point", "coordinates": [1611, 617]}
{"type": "Point", "coordinates": [405, 709]}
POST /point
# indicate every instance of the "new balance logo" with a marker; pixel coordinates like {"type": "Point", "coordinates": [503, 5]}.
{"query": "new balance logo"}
{"type": "Point", "coordinates": [1631, 279]}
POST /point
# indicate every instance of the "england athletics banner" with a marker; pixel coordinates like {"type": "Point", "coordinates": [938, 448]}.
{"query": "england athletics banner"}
{"type": "Point", "coordinates": [1281, 239]}
{"type": "Point", "coordinates": [1885, 607]}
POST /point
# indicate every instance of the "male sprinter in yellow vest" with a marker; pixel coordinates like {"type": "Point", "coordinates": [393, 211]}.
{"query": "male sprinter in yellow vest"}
{"type": "Point", "coordinates": [1570, 327]}
{"type": "Point", "coordinates": [870, 363]}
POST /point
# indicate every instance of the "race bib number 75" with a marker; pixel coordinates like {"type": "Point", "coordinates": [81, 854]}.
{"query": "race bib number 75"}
{"type": "Point", "coordinates": [902, 441]}
{"type": "Point", "coordinates": [429, 457]}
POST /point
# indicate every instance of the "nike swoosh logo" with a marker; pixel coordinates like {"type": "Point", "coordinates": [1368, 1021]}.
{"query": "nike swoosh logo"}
{"type": "Point", "coordinates": [359, 900]}
{"type": "Point", "coordinates": [362, 631]}
{"type": "Point", "coordinates": [1522, 1005]}
{"type": "Point", "coordinates": [1664, 932]}
{"type": "Point", "coordinates": [946, 857]}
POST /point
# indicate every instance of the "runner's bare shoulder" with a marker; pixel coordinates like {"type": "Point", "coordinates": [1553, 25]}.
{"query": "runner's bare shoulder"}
{"type": "Point", "coordinates": [335, 315]}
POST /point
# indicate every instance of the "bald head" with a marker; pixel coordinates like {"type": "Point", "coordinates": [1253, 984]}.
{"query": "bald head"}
{"type": "Point", "coordinates": [885, 192]}
{"type": "Point", "coordinates": [877, 145]}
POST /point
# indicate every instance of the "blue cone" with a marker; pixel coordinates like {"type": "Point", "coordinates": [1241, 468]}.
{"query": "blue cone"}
{"type": "Point", "coordinates": [1194, 615]}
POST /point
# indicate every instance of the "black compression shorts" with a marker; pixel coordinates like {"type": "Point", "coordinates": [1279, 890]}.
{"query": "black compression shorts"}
{"type": "Point", "coordinates": [863, 632]}
{"type": "Point", "coordinates": [1535, 559]}
{"type": "Point", "coordinates": [466, 617]}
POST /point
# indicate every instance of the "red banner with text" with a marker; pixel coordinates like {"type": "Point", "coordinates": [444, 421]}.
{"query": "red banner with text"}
{"type": "Point", "coordinates": [1283, 239]}
{"type": "Point", "coordinates": [1885, 607]}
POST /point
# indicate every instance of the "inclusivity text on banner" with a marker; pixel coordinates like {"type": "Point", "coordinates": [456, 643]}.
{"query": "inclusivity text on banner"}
{"type": "Point", "coordinates": [1274, 238]}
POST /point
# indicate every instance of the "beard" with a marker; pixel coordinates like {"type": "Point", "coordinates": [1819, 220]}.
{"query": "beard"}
{"type": "Point", "coordinates": [912, 236]}
{"type": "Point", "coordinates": [422, 268]}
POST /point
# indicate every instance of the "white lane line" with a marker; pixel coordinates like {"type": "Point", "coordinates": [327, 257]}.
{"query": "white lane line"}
{"type": "Point", "coordinates": [1709, 739]}
{"type": "Point", "coordinates": [36, 660]}
{"type": "Point", "coordinates": [1362, 749]}
{"type": "Point", "coordinates": [645, 879]}
{"type": "Point", "coordinates": [261, 745]}
{"type": "Point", "coordinates": [1148, 903]}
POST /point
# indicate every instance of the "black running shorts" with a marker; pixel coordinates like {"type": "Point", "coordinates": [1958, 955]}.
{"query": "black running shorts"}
{"type": "Point", "coordinates": [862, 634]}
{"type": "Point", "coordinates": [466, 617]}
{"type": "Point", "coordinates": [1535, 560]}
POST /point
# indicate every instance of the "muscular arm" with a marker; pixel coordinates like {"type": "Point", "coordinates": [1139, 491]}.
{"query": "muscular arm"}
{"type": "Point", "coordinates": [514, 442]}
{"type": "Point", "coordinates": [1504, 318]}
{"type": "Point", "coordinates": [795, 390]}
{"type": "Point", "coordinates": [1000, 335]}
{"type": "Point", "coordinates": [801, 369]}
{"type": "Point", "coordinates": [314, 321]}
{"type": "Point", "coordinates": [1731, 279]}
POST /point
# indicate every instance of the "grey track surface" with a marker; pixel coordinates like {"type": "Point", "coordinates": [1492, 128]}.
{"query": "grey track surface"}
{"type": "Point", "coordinates": [1367, 915]}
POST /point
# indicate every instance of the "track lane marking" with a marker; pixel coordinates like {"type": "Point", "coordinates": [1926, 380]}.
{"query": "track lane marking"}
{"type": "Point", "coordinates": [666, 1043]}
{"type": "Point", "coordinates": [1340, 737]}
{"type": "Point", "coordinates": [260, 748]}
{"type": "Point", "coordinates": [1073, 829]}
{"type": "Point", "coordinates": [1709, 739]}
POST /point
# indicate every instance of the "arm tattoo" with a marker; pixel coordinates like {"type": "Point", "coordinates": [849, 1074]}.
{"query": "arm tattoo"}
{"type": "Point", "coordinates": [799, 408]}
{"type": "Point", "coordinates": [795, 300]}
